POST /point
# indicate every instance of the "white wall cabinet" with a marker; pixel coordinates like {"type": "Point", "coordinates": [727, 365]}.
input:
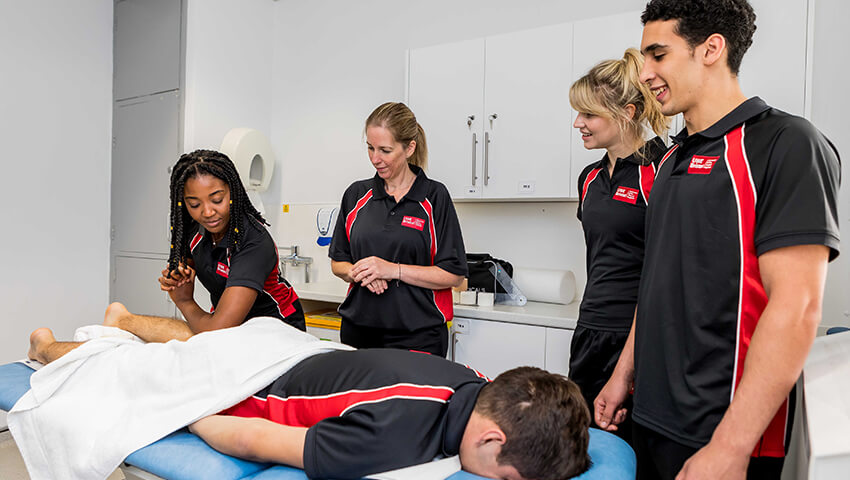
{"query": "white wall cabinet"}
{"type": "Point", "coordinates": [494, 347]}
{"type": "Point", "coordinates": [496, 113]}
{"type": "Point", "coordinates": [595, 40]}
{"type": "Point", "coordinates": [134, 283]}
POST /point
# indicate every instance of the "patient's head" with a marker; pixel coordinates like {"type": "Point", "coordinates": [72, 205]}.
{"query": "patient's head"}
{"type": "Point", "coordinates": [527, 424]}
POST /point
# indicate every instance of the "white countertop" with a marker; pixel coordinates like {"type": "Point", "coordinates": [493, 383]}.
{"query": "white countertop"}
{"type": "Point", "coordinates": [533, 313]}
{"type": "Point", "coordinates": [826, 380]}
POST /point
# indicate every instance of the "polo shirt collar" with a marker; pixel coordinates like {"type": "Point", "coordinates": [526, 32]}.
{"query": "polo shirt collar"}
{"type": "Point", "coordinates": [457, 416]}
{"type": "Point", "coordinates": [743, 112]}
{"type": "Point", "coordinates": [651, 147]}
{"type": "Point", "coordinates": [417, 190]}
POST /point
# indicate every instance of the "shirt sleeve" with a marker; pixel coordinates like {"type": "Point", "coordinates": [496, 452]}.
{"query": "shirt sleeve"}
{"type": "Point", "coordinates": [798, 201]}
{"type": "Point", "coordinates": [340, 249]}
{"type": "Point", "coordinates": [251, 265]}
{"type": "Point", "coordinates": [451, 254]}
{"type": "Point", "coordinates": [373, 438]}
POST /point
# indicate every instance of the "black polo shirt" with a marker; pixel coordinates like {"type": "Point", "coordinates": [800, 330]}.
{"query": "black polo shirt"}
{"type": "Point", "coordinates": [253, 265]}
{"type": "Point", "coordinates": [421, 229]}
{"type": "Point", "coordinates": [372, 410]}
{"type": "Point", "coordinates": [612, 209]}
{"type": "Point", "coordinates": [757, 180]}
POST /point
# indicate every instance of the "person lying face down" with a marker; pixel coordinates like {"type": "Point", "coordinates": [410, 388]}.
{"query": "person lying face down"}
{"type": "Point", "coordinates": [348, 414]}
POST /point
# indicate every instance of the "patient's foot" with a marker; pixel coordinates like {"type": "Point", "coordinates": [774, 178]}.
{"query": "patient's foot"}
{"type": "Point", "coordinates": [40, 339]}
{"type": "Point", "coordinates": [114, 312]}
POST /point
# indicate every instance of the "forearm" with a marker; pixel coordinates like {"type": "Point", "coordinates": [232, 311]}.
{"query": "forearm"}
{"type": "Point", "coordinates": [775, 358]}
{"type": "Point", "coordinates": [254, 439]}
{"type": "Point", "coordinates": [341, 270]}
{"type": "Point", "coordinates": [430, 277]}
{"type": "Point", "coordinates": [196, 317]}
{"type": "Point", "coordinates": [625, 369]}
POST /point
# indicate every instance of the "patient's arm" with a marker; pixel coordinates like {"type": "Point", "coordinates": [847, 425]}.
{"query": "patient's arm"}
{"type": "Point", "coordinates": [255, 439]}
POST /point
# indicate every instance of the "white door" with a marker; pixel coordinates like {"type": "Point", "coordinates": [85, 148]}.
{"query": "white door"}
{"type": "Point", "coordinates": [527, 114]}
{"type": "Point", "coordinates": [558, 350]}
{"type": "Point", "coordinates": [134, 283]}
{"type": "Point", "coordinates": [493, 347]}
{"type": "Point", "coordinates": [146, 145]}
{"type": "Point", "coordinates": [595, 40]}
{"type": "Point", "coordinates": [446, 93]}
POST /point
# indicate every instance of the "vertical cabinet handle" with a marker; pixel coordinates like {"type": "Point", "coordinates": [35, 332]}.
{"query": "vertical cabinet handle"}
{"type": "Point", "coordinates": [474, 146]}
{"type": "Point", "coordinates": [486, 158]}
{"type": "Point", "coordinates": [454, 342]}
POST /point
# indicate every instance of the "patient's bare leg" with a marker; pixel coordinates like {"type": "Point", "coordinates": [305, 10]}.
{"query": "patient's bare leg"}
{"type": "Point", "coordinates": [149, 329]}
{"type": "Point", "coordinates": [45, 348]}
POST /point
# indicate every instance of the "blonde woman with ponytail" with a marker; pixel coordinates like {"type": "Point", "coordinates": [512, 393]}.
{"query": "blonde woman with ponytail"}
{"type": "Point", "coordinates": [614, 110]}
{"type": "Point", "coordinates": [397, 243]}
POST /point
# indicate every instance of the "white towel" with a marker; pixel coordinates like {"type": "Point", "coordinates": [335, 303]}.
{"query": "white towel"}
{"type": "Point", "coordinates": [111, 396]}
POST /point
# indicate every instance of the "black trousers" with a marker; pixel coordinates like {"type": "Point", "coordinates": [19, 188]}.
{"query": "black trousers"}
{"type": "Point", "coordinates": [660, 458]}
{"type": "Point", "coordinates": [593, 356]}
{"type": "Point", "coordinates": [433, 340]}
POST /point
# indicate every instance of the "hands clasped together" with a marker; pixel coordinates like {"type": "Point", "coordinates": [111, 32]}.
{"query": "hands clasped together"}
{"type": "Point", "coordinates": [373, 273]}
{"type": "Point", "coordinates": [179, 283]}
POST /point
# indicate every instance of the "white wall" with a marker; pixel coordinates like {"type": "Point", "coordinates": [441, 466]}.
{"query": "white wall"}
{"type": "Point", "coordinates": [830, 104]}
{"type": "Point", "coordinates": [336, 61]}
{"type": "Point", "coordinates": [229, 46]}
{"type": "Point", "coordinates": [55, 127]}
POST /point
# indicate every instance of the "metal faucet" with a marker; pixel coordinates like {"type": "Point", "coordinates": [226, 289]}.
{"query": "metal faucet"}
{"type": "Point", "coordinates": [296, 260]}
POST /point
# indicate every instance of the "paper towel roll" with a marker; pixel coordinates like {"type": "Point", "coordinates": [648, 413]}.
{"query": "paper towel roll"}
{"type": "Point", "coordinates": [252, 154]}
{"type": "Point", "coordinates": [546, 285]}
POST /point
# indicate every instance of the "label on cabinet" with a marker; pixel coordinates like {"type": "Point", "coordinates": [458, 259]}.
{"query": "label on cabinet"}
{"type": "Point", "coordinates": [471, 190]}
{"type": "Point", "coordinates": [460, 325]}
{"type": "Point", "coordinates": [525, 186]}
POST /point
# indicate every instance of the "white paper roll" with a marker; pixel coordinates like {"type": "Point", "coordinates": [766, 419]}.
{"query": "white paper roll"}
{"type": "Point", "coordinates": [252, 154]}
{"type": "Point", "coordinates": [546, 285]}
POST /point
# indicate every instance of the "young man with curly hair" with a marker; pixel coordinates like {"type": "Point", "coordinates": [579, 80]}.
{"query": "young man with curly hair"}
{"type": "Point", "coordinates": [742, 224]}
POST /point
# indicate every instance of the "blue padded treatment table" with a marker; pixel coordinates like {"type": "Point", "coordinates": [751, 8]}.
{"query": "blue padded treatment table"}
{"type": "Point", "coordinates": [184, 456]}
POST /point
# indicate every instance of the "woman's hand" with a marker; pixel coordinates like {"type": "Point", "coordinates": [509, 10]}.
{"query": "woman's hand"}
{"type": "Point", "coordinates": [176, 278]}
{"type": "Point", "coordinates": [377, 287]}
{"type": "Point", "coordinates": [369, 269]}
{"type": "Point", "coordinates": [180, 283]}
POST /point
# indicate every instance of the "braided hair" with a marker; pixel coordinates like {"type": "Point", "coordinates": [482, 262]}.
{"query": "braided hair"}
{"type": "Point", "coordinates": [216, 164]}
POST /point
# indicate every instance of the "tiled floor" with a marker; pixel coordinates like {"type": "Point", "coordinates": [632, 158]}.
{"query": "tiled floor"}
{"type": "Point", "coordinates": [12, 465]}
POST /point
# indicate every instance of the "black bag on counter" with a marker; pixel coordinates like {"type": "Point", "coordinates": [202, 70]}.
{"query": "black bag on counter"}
{"type": "Point", "coordinates": [479, 272]}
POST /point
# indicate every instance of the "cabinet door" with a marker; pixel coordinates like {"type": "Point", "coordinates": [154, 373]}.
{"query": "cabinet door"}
{"type": "Point", "coordinates": [558, 350]}
{"type": "Point", "coordinates": [493, 347]}
{"type": "Point", "coordinates": [595, 40]}
{"type": "Point", "coordinates": [146, 145]}
{"type": "Point", "coordinates": [446, 94]}
{"type": "Point", "coordinates": [134, 283]}
{"type": "Point", "coordinates": [527, 114]}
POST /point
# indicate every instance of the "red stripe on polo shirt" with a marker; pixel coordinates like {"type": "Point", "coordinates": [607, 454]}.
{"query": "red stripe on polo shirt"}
{"type": "Point", "coordinates": [752, 298]}
{"type": "Point", "coordinates": [306, 411]}
{"type": "Point", "coordinates": [667, 155]}
{"type": "Point", "coordinates": [283, 295]}
{"type": "Point", "coordinates": [442, 298]}
{"type": "Point", "coordinates": [352, 215]}
{"type": "Point", "coordinates": [587, 180]}
{"type": "Point", "coordinates": [646, 175]}
{"type": "Point", "coordinates": [195, 241]}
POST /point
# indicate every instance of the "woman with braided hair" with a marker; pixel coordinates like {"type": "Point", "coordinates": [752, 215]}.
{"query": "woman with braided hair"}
{"type": "Point", "coordinates": [219, 236]}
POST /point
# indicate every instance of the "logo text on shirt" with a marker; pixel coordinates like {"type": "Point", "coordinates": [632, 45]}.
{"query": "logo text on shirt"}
{"type": "Point", "coordinates": [701, 165]}
{"type": "Point", "coordinates": [626, 194]}
{"type": "Point", "coordinates": [222, 270]}
{"type": "Point", "coordinates": [413, 222]}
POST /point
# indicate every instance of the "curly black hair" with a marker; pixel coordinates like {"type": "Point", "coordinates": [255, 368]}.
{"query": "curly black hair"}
{"type": "Point", "coordinates": [192, 165]}
{"type": "Point", "coordinates": [698, 19]}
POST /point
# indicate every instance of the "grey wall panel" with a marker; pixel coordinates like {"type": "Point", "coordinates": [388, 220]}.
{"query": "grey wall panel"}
{"type": "Point", "coordinates": [147, 47]}
{"type": "Point", "coordinates": [146, 145]}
